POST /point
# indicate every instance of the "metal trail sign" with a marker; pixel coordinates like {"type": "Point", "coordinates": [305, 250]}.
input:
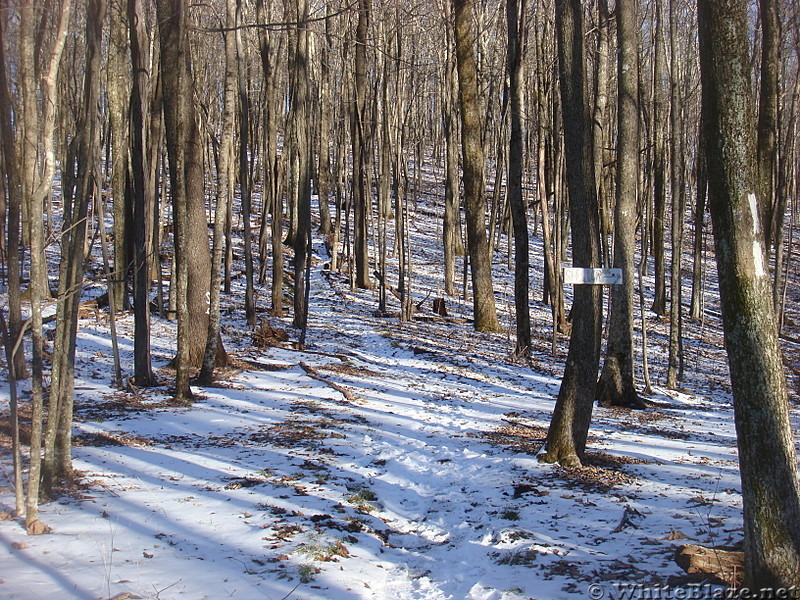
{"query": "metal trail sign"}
{"type": "Point", "coordinates": [577, 275]}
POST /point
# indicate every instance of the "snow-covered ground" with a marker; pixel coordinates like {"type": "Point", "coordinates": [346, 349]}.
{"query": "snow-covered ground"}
{"type": "Point", "coordinates": [386, 461]}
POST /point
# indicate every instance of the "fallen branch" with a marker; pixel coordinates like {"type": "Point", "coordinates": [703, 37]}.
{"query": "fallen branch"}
{"type": "Point", "coordinates": [314, 374]}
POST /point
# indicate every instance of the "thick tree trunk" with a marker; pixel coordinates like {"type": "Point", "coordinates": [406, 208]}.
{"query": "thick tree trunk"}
{"type": "Point", "coordinates": [764, 435]}
{"type": "Point", "coordinates": [569, 427]}
{"type": "Point", "coordinates": [483, 301]}
{"type": "Point", "coordinates": [616, 386]}
{"type": "Point", "coordinates": [185, 152]}
{"type": "Point", "coordinates": [273, 203]}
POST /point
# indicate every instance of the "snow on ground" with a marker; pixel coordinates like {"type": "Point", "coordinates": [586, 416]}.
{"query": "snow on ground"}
{"type": "Point", "coordinates": [387, 461]}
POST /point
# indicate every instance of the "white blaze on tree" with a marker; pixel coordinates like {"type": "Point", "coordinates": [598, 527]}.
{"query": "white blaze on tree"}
{"type": "Point", "coordinates": [758, 250]}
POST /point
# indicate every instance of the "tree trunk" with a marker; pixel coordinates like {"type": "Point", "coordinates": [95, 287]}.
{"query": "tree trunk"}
{"type": "Point", "coordinates": [675, 360]}
{"type": "Point", "coordinates": [57, 464]}
{"type": "Point", "coordinates": [767, 126]}
{"type": "Point", "coordinates": [451, 226]}
{"type": "Point", "coordinates": [324, 182]}
{"type": "Point", "coordinates": [13, 184]}
{"type": "Point", "coordinates": [185, 152]}
{"type": "Point", "coordinates": [569, 427]}
{"type": "Point", "coordinates": [616, 386]}
{"type": "Point", "coordinates": [177, 98]}
{"type": "Point", "coordinates": [698, 251]}
{"type": "Point", "coordinates": [764, 435]}
{"type": "Point", "coordinates": [38, 86]}
{"type": "Point", "coordinates": [118, 99]}
{"type": "Point", "coordinates": [273, 203]}
{"type": "Point", "coordinates": [244, 175]}
{"type": "Point", "coordinates": [300, 147]}
{"type": "Point", "coordinates": [659, 163]}
{"type": "Point", "coordinates": [224, 194]}
{"type": "Point", "coordinates": [483, 301]}
{"type": "Point", "coordinates": [142, 189]}
{"type": "Point", "coordinates": [361, 195]}
{"type": "Point", "coordinates": [600, 122]}
{"type": "Point", "coordinates": [519, 216]}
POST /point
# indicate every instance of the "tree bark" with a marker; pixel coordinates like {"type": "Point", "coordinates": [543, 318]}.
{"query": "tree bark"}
{"type": "Point", "coordinates": [177, 98]}
{"type": "Point", "coordinates": [764, 435]}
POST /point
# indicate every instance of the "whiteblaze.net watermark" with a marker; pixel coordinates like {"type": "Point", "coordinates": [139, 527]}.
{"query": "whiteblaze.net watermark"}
{"type": "Point", "coordinates": [638, 591]}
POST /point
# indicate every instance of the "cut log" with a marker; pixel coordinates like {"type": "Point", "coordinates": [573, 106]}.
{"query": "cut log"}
{"type": "Point", "coordinates": [723, 565]}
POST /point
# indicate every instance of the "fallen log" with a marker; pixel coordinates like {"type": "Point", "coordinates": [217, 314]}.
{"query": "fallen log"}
{"type": "Point", "coordinates": [723, 564]}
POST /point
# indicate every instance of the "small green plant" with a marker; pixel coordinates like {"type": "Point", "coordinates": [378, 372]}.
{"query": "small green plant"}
{"type": "Point", "coordinates": [307, 573]}
{"type": "Point", "coordinates": [325, 552]}
{"type": "Point", "coordinates": [524, 557]}
{"type": "Point", "coordinates": [361, 499]}
{"type": "Point", "coordinates": [361, 495]}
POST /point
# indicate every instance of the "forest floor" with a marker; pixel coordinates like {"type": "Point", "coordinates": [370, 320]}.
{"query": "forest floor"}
{"type": "Point", "coordinates": [386, 460]}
